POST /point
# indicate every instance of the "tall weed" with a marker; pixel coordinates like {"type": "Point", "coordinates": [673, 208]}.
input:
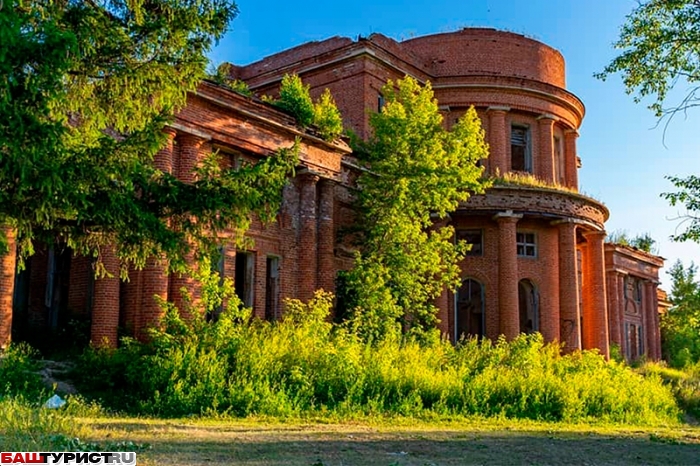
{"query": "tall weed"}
{"type": "Point", "coordinates": [303, 365]}
{"type": "Point", "coordinates": [19, 371]}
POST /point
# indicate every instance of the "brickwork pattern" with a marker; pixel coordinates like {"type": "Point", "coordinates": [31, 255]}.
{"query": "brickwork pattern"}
{"type": "Point", "coordinates": [105, 311]}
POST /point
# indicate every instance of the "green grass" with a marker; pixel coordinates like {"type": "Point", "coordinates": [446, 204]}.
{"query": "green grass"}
{"type": "Point", "coordinates": [529, 181]}
{"type": "Point", "coordinates": [685, 384]}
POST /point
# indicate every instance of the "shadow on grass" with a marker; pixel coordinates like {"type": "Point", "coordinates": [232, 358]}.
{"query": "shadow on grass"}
{"type": "Point", "coordinates": [321, 445]}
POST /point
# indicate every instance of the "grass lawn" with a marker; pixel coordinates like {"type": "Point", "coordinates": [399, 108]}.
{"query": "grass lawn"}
{"type": "Point", "coordinates": [399, 442]}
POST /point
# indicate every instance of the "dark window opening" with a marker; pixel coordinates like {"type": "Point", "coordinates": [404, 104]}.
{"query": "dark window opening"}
{"type": "Point", "coordinates": [245, 277]}
{"type": "Point", "coordinates": [217, 266]}
{"type": "Point", "coordinates": [520, 159]}
{"type": "Point", "coordinates": [634, 341]}
{"type": "Point", "coordinates": [474, 239]}
{"type": "Point", "coordinates": [528, 304]}
{"type": "Point", "coordinates": [272, 288]}
{"type": "Point", "coordinates": [470, 310]}
{"type": "Point", "coordinates": [380, 103]}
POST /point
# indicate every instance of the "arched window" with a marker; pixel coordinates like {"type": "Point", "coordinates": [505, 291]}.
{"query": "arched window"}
{"type": "Point", "coordinates": [528, 304]}
{"type": "Point", "coordinates": [469, 314]}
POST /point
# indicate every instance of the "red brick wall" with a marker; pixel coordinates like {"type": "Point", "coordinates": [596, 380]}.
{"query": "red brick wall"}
{"type": "Point", "coordinates": [479, 51]}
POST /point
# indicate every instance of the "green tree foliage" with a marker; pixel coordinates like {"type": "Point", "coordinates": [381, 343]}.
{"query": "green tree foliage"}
{"type": "Point", "coordinates": [86, 88]}
{"type": "Point", "coordinates": [295, 98]}
{"type": "Point", "coordinates": [643, 242]}
{"type": "Point", "coordinates": [419, 172]}
{"type": "Point", "coordinates": [660, 43]}
{"type": "Point", "coordinates": [327, 117]}
{"type": "Point", "coordinates": [680, 327]}
{"type": "Point", "coordinates": [222, 76]}
{"type": "Point", "coordinates": [687, 197]}
{"type": "Point", "coordinates": [660, 47]}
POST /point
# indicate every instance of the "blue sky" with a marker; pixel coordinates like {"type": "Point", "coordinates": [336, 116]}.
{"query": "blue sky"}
{"type": "Point", "coordinates": [625, 155]}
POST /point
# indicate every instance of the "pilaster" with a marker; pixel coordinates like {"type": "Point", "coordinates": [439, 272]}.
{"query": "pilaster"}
{"type": "Point", "coordinates": [571, 159]}
{"type": "Point", "coordinates": [498, 140]}
{"type": "Point", "coordinates": [325, 278]}
{"type": "Point", "coordinates": [544, 161]}
{"type": "Point", "coordinates": [307, 239]}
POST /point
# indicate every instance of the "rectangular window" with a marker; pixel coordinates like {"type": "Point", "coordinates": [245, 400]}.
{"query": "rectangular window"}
{"type": "Point", "coordinates": [474, 239]}
{"type": "Point", "coordinates": [380, 103]}
{"type": "Point", "coordinates": [520, 159]}
{"type": "Point", "coordinates": [272, 288]}
{"type": "Point", "coordinates": [245, 277]}
{"type": "Point", "coordinates": [526, 245]}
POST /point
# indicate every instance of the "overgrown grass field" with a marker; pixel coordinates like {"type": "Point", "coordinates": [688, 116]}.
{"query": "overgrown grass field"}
{"type": "Point", "coordinates": [305, 366]}
{"type": "Point", "coordinates": [305, 391]}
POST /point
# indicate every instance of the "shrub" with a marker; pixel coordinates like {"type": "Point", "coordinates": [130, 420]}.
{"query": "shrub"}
{"type": "Point", "coordinates": [304, 365]}
{"type": "Point", "coordinates": [222, 77]}
{"type": "Point", "coordinates": [19, 369]}
{"type": "Point", "coordinates": [295, 99]}
{"type": "Point", "coordinates": [327, 117]}
{"type": "Point", "coordinates": [684, 383]}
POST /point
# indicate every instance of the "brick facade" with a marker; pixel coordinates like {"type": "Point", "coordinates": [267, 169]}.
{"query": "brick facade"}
{"type": "Point", "coordinates": [538, 264]}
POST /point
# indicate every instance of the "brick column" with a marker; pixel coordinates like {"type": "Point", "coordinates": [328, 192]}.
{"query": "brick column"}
{"type": "Point", "coordinates": [153, 279]}
{"type": "Point", "coordinates": [326, 237]}
{"type": "Point", "coordinates": [544, 161]}
{"type": "Point", "coordinates": [105, 304]}
{"type": "Point", "coordinates": [549, 309]}
{"type": "Point", "coordinates": [616, 302]}
{"type": "Point", "coordinates": [650, 308]}
{"type": "Point", "coordinates": [190, 149]}
{"type": "Point", "coordinates": [7, 286]}
{"type": "Point", "coordinates": [164, 158]}
{"type": "Point", "coordinates": [569, 312]}
{"type": "Point", "coordinates": [509, 315]}
{"type": "Point", "coordinates": [571, 159]}
{"type": "Point", "coordinates": [306, 241]}
{"type": "Point", "coordinates": [154, 282]}
{"type": "Point", "coordinates": [595, 313]}
{"type": "Point", "coordinates": [131, 301]}
{"type": "Point", "coordinates": [498, 140]}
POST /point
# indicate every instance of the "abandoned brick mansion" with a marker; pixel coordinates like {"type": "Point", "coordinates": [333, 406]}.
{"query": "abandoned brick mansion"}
{"type": "Point", "coordinates": [538, 261]}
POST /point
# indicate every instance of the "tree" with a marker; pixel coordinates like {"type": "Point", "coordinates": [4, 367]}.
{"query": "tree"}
{"type": "Point", "coordinates": [680, 327]}
{"type": "Point", "coordinates": [643, 242]}
{"type": "Point", "coordinates": [86, 89]}
{"type": "Point", "coordinates": [418, 174]}
{"type": "Point", "coordinates": [661, 48]}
